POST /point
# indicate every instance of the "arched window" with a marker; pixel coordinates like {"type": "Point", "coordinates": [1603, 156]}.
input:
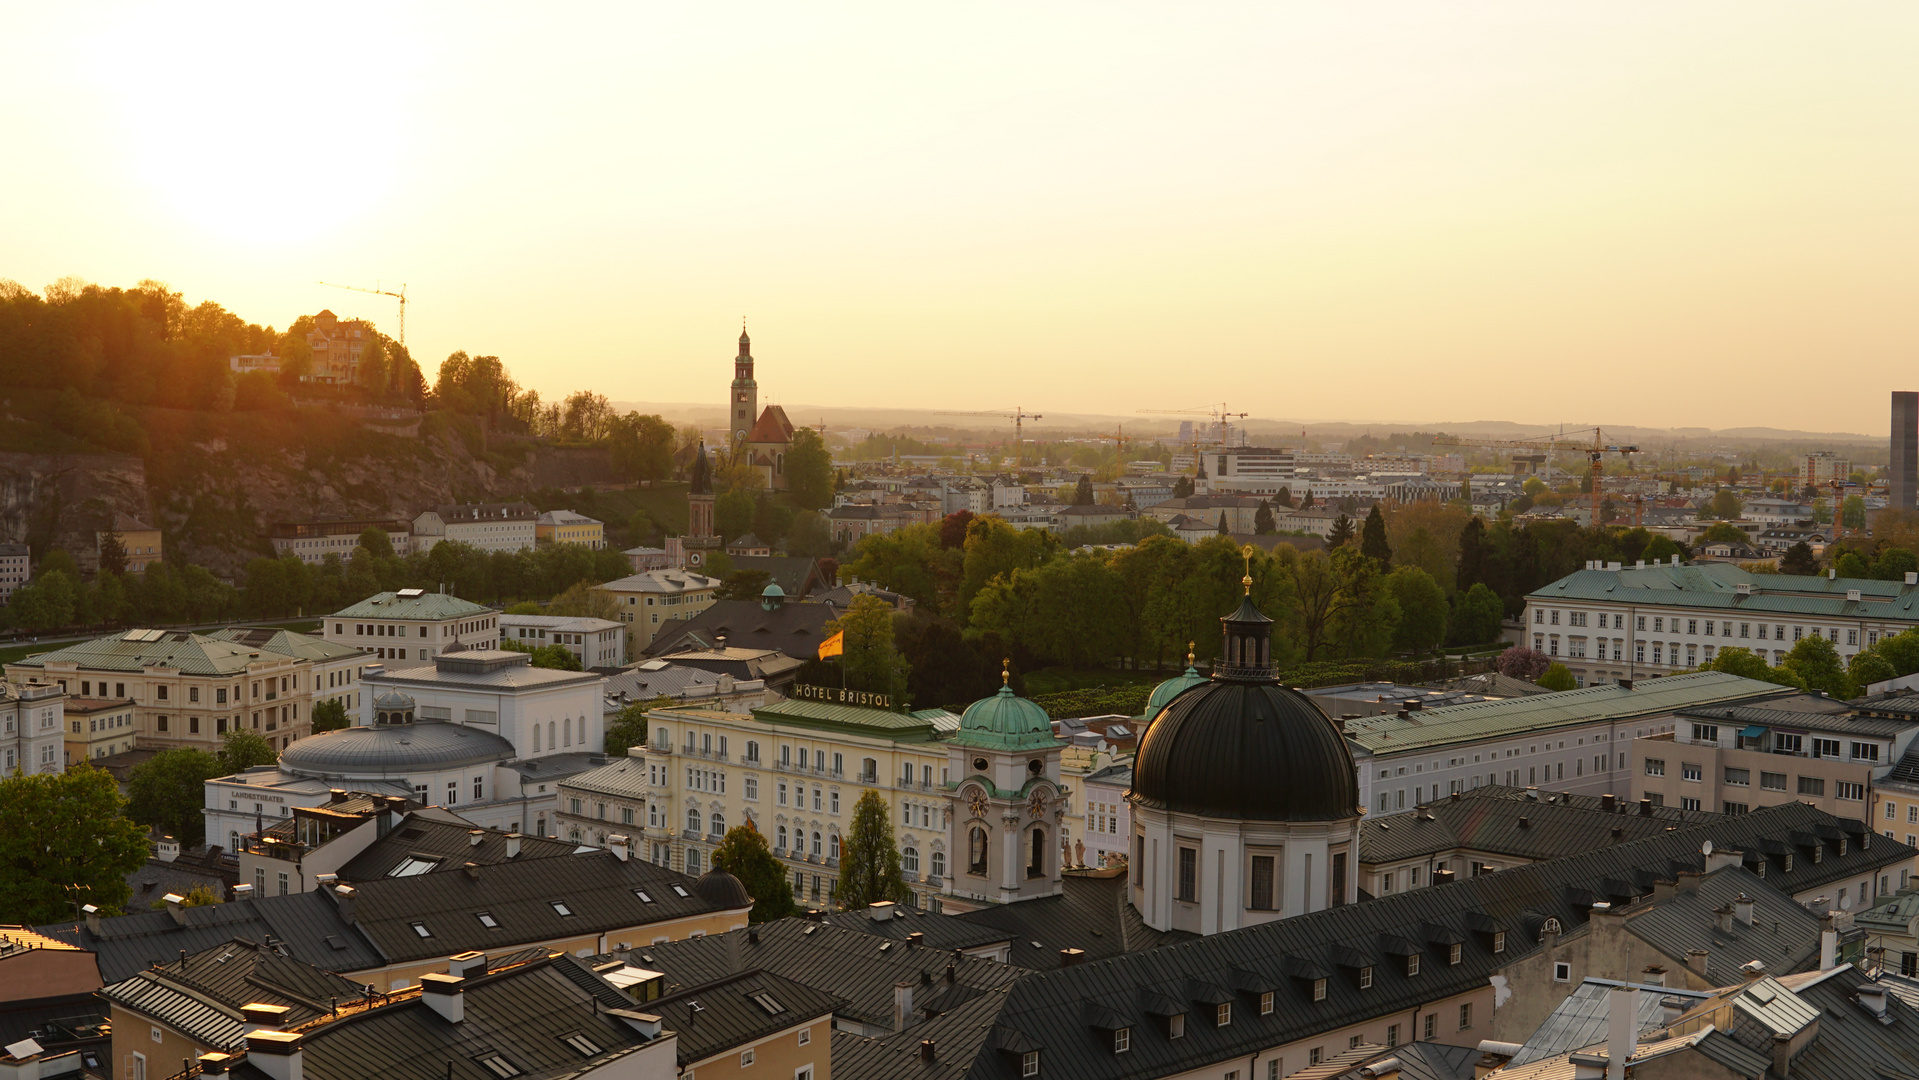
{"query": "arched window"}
{"type": "Point", "coordinates": [833, 846]}
{"type": "Point", "coordinates": [1036, 865]}
{"type": "Point", "coordinates": [910, 860]}
{"type": "Point", "coordinates": [906, 772]}
{"type": "Point", "coordinates": [939, 864]}
{"type": "Point", "coordinates": [869, 771]}
{"type": "Point", "coordinates": [692, 861]}
{"type": "Point", "coordinates": [693, 819]}
{"type": "Point", "coordinates": [816, 842]}
{"type": "Point", "coordinates": [551, 730]}
{"type": "Point", "coordinates": [566, 730]}
{"type": "Point", "coordinates": [573, 834]}
{"type": "Point", "coordinates": [782, 838]}
{"type": "Point", "coordinates": [718, 822]}
{"type": "Point", "coordinates": [536, 738]}
{"type": "Point", "coordinates": [976, 842]}
{"type": "Point", "coordinates": [752, 750]}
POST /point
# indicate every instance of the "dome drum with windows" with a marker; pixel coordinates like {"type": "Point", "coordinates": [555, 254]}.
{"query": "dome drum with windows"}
{"type": "Point", "coordinates": [1241, 746]}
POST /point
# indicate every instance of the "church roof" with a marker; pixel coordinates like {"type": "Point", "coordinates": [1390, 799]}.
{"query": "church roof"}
{"type": "Point", "coordinates": [699, 476]}
{"type": "Point", "coordinates": [772, 427]}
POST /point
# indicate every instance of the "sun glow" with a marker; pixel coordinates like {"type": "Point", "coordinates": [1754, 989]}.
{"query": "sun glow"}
{"type": "Point", "coordinates": [258, 123]}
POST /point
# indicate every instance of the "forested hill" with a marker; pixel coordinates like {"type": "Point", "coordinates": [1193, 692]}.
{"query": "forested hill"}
{"type": "Point", "coordinates": [122, 401]}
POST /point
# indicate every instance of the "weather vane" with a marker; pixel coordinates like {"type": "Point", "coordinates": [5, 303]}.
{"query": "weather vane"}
{"type": "Point", "coordinates": [1006, 671]}
{"type": "Point", "coordinates": [1247, 581]}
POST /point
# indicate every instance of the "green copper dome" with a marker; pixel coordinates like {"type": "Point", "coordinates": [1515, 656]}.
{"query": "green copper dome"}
{"type": "Point", "coordinates": [1005, 721]}
{"type": "Point", "coordinates": [1172, 688]}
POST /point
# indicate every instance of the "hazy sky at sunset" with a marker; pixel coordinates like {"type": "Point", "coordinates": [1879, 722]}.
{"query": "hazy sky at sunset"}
{"type": "Point", "coordinates": [1663, 213]}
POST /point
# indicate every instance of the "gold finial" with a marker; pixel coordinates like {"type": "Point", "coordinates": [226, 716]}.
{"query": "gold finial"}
{"type": "Point", "coordinates": [1247, 581]}
{"type": "Point", "coordinates": [1006, 671]}
{"type": "Point", "coordinates": [1189, 654]}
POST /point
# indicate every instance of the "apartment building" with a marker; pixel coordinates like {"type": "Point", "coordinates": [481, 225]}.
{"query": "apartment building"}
{"type": "Point", "coordinates": [412, 625]}
{"type": "Point", "coordinates": [333, 670]}
{"type": "Point", "coordinates": [652, 598]}
{"type": "Point", "coordinates": [97, 727]}
{"type": "Point", "coordinates": [188, 690]}
{"type": "Point", "coordinates": [1895, 793]}
{"type": "Point", "coordinates": [1801, 748]}
{"type": "Point", "coordinates": [15, 567]}
{"type": "Point", "coordinates": [598, 643]}
{"type": "Point", "coordinates": [139, 540]}
{"type": "Point", "coordinates": [794, 769]}
{"type": "Point", "coordinates": [32, 727]}
{"type": "Point", "coordinates": [567, 527]}
{"type": "Point", "coordinates": [312, 541]}
{"type": "Point", "coordinates": [487, 526]}
{"type": "Point", "coordinates": [337, 344]}
{"type": "Point", "coordinates": [1607, 622]}
{"type": "Point", "coordinates": [1574, 741]}
{"type": "Point", "coordinates": [1822, 467]}
{"type": "Point", "coordinates": [602, 802]}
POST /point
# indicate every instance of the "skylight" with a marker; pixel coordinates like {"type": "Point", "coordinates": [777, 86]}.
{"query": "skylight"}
{"type": "Point", "coordinates": [412, 866]}
{"type": "Point", "coordinates": [641, 893]}
{"type": "Point", "coordinates": [487, 920]}
{"type": "Point", "coordinates": [680, 891]}
{"type": "Point", "coordinates": [499, 1066]}
{"type": "Point", "coordinates": [560, 907]}
{"type": "Point", "coordinates": [587, 1047]}
{"type": "Point", "coordinates": [420, 929]}
{"type": "Point", "coordinates": [766, 1001]}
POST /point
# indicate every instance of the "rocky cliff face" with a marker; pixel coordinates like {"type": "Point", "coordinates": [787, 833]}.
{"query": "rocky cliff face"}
{"type": "Point", "coordinates": [215, 501]}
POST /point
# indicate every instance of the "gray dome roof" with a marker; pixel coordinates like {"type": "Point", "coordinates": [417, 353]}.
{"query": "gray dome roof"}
{"type": "Point", "coordinates": [391, 700]}
{"type": "Point", "coordinates": [383, 752]}
{"type": "Point", "coordinates": [1248, 752]}
{"type": "Point", "coordinates": [722, 890]}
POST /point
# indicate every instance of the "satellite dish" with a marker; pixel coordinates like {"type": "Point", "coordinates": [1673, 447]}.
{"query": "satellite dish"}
{"type": "Point", "coordinates": [1706, 848]}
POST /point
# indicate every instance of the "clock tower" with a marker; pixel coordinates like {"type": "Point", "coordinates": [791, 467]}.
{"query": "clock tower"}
{"type": "Point", "coordinates": [700, 541]}
{"type": "Point", "coordinates": [743, 403]}
{"type": "Point", "coordinates": [1008, 807]}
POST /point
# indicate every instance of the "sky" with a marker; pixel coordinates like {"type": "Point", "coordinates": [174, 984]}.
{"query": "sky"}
{"type": "Point", "coordinates": [1657, 213]}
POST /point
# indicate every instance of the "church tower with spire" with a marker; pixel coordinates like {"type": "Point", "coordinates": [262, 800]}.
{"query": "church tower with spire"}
{"type": "Point", "coordinates": [744, 403]}
{"type": "Point", "coordinates": [694, 549]}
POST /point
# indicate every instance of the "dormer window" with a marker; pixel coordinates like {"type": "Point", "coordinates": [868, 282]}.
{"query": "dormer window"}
{"type": "Point", "coordinates": [1029, 1063]}
{"type": "Point", "coordinates": [1319, 989]}
{"type": "Point", "coordinates": [1123, 1040]}
{"type": "Point", "coordinates": [1453, 953]}
{"type": "Point", "coordinates": [1176, 1026]}
{"type": "Point", "coordinates": [1223, 1014]}
{"type": "Point", "coordinates": [1412, 965]}
{"type": "Point", "coordinates": [1366, 977]}
{"type": "Point", "coordinates": [1499, 941]}
{"type": "Point", "coordinates": [1266, 1003]}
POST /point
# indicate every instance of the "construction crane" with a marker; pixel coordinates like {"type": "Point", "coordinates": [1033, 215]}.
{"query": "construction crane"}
{"type": "Point", "coordinates": [1018, 416]}
{"type": "Point", "coordinates": [1221, 415]}
{"type": "Point", "coordinates": [1595, 453]}
{"type": "Point", "coordinates": [401, 296]}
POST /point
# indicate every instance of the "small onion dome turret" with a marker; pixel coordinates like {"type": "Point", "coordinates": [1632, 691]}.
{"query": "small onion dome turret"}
{"type": "Point", "coordinates": [722, 890]}
{"type": "Point", "coordinates": [1243, 747]}
{"type": "Point", "coordinates": [1005, 721]}
{"type": "Point", "coordinates": [1165, 692]}
{"type": "Point", "coordinates": [772, 597]}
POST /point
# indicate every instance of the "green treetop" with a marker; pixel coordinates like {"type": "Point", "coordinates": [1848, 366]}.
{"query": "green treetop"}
{"type": "Point", "coordinates": [869, 858]}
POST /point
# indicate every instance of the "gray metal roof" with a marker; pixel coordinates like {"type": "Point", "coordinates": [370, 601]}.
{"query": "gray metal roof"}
{"type": "Point", "coordinates": [426, 607]}
{"type": "Point", "coordinates": [190, 654]}
{"type": "Point", "coordinates": [1489, 820]}
{"type": "Point", "coordinates": [395, 750]}
{"type": "Point", "coordinates": [730, 1013]}
{"type": "Point", "coordinates": [306, 924]}
{"type": "Point", "coordinates": [1713, 587]}
{"type": "Point", "coordinates": [1580, 1020]}
{"type": "Point", "coordinates": [1834, 717]}
{"type": "Point", "coordinates": [201, 994]}
{"type": "Point", "coordinates": [286, 642]}
{"type": "Point", "coordinates": [423, 837]}
{"type": "Point", "coordinates": [622, 777]}
{"type": "Point", "coordinates": [1390, 733]}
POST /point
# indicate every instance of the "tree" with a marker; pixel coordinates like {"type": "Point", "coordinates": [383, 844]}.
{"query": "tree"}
{"type": "Point", "coordinates": [555, 658]}
{"type": "Point", "coordinates": [743, 585]}
{"type": "Point", "coordinates": [1474, 553]}
{"type": "Point", "coordinates": [1749, 665]}
{"type": "Point", "coordinates": [641, 447]}
{"type": "Point", "coordinates": [1816, 662]}
{"type": "Point", "coordinates": [1852, 512]}
{"type": "Point", "coordinates": [1306, 502]}
{"type": "Point", "coordinates": [869, 859]}
{"type": "Point", "coordinates": [1284, 498]}
{"type": "Point", "coordinates": [1223, 530]}
{"type": "Point", "coordinates": [1372, 540]}
{"type": "Point", "coordinates": [871, 658]}
{"type": "Point", "coordinates": [1183, 487]}
{"type": "Point", "coordinates": [329, 716]}
{"type": "Point", "coordinates": [1850, 565]}
{"type": "Point", "coordinates": [65, 841]}
{"type": "Point", "coordinates": [1342, 533]}
{"type": "Point", "coordinates": [1868, 667]}
{"type": "Point", "coordinates": [744, 854]}
{"type": "Point", "coordinates": [1476, 616]}
{"type": "Point", "coordinates": [113, 554]}
{"type": "Point", "coordinates": [1263, 523]}
{"type": "Point", "coordinates": [581, 599]}
{"type": "Point", "coordinates": [733, 513]}
{"type": "Point", "coordinates": [1083, 491]}
{"type": "Point", "coordinates": [1422, 609]}
{"type": "Point", "coordinates": [1893, 564]}
{"type": "Point", "coordinates": [1799, 559]}
{"type": "Point", "coordinates": [168, 792]}
{"type": "Point", "coordinates": [1557, 677]}
{"type": "Point", "coordinates": [242, 749]}
{"type": "Point", "coordinates": [809, 535]}
{"type": "Point", "coordinates": [376, 543]}
{"type": "Point", "coordinates": [627, 728]}
{"type": "Point", "coordinates": [809, 471]}
{"type": "Point", "coordinates": [1520, 662]}
{"type": "Point", "coordinates": [1660, 549]}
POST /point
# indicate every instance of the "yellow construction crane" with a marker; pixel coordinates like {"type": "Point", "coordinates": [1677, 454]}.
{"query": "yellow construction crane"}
{"type": "Point", "coordinates": [1018, 416]}
{"type": "Point", "coordinates": [1595, 453]}
{"type": "Point", "coordinates": [401, 296]}
{"type": "Point", "coordinates": [1220, 413]}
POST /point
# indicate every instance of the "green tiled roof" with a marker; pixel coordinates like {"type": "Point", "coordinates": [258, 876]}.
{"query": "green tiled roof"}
{"type": "Point", "coordinates": [190, 654]}
{"type": "Point", "coordinates": [428, 606]}
{"type": "Point", "coordinates": [1715, 587]}
{"type": "Point", "coordinates": [1390, 733]}
{"type": "Point", "coordinates": [924, 725]}
{"type": "Point", "coordinates": [284, 642]}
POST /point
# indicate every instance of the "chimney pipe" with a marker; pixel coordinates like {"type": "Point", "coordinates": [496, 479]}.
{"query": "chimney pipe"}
{"type": "Point", "coordinates": [93, 919]}
{"type": "Point", "coordinates": [1743, 904]}
{"type": "Point", "coordinates": [1723, 914]}
{"type": "Point", "coordinates": [1455, 796]}
{"type": "Point", "coordinates": [1828, 944]}
{"type": "Point", "coordinates": [619, 844]}
{"type": "Point", "coordinates": [174, 908]}
{"type": "Point", "coordinates": [1622, 1030]}
{"type": "Point", "coordinates": [275, 1053]}
{"type": "Point", "coordinates": [471, 870]}
{"type": "Point", "coordinates": [263, 1017]}
{"type": "Point", "coordinates": [1645, 807]}
{"type": "Point", "coordinates": [1671, 1009]}
{"type": "Point", "coordinates": [214, 1063]}
{"type": "Point", "coordinates": [1606, 802]}
{"type": "Point", "coordinates": [880, 910]}
{"type": "Point", "coordinates": [927, 1050]}
{"type": "Point", "coordinates": [461, 965]}
{"type": "Point", "coordinates": [1872, 995]}
{"type": "Point", "coordinates": [243, 892]}
{"type": "Point", "coordinates": [343, 899]}
{"type": "Point", "coordinates": [1696, 960]}
{"type": "Point", "coordinates": [1069, 957]}
{"type": "Point", "coordinates": [442, 994]}
{"type": "Point", "coordinates": [916, 938]}
{"type": "Point", "coordinates": [902, 1005]}
{"type": "Point", "coordinates": [474, 836]}
{"type": "Point", "coordinates": [512, 845]}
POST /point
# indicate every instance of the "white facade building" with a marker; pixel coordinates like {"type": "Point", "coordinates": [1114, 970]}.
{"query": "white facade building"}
{"type": "Point", "coordinates": [487, 526]}
{"type": "Point", "coordinates": [599, 643]}
{"type": "Point", "coordinates": [33, 727]}
{"type": "Point", "coordinates": [412, 626]}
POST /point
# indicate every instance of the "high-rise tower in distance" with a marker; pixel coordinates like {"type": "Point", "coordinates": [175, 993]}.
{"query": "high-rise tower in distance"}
{"type": "Point", "coordinates": [1902, 488]}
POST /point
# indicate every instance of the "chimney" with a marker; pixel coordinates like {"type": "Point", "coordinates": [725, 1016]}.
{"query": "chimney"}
{"type": "Point", "coordinates": [93, 919]}
{"type": "Point", "coordinates": [243, 892]}
{"type": "Point", "coordinates": [174, 900]}
{"type": "Point", "coordinates": [1606, 802]}
{"type": "Point", "coordinates": [326, 881]}
{"type": "Point", "coordinates": [1872, 996]}
{"type": "Point", "coordinates": [260, 1016]}
{"type": "Point", "coordinates": [1639, 564]}
{"type": "Point", "coordinates": [1652, 975]}
{"type": "Point", "coordinates": [752, 935]}
{"type": "Point", "coordinates": [343, 899]}
{"type": "Point", "coordinates": [1696, 961]}
{"type": "Point", "coordinates": [169, 849]}
{"type": "Point", "coordinates": [1828, 944]}
{"type": "Point", "coordinates": [952, 973]}
{"type": "Point", "coordinates": [1455, 796]}
{"type": "Point", "coordinates": [474, 836]}
{"type": "Point", "coordinates": [1523, 823]}
{"type": "Point", "coordinates": [1753, 970]}
{"type": "Point", "coordinates": [461, 965]}
{"type": "Point", "coordinates": [1618, 833]}
{"type": "Point", "coordinates": [927, 1052]}
{"type": "Point", "coordinates": [275, 1053]}
{"type": "Point", "coordinates": [902, 1005]}
{"type": "Point", "coordinates": [880, 911]}
{"type": "Point", "coordinates": [1821, 906]}
{"type": "Point", "coordinates": [512, 845]}
{"type": "Point", "coordinates": [1725, 858]}
{"type": "Point", "coordinates": [1069, 957]}
{"type": "Point", "coordinates": [1532, 793]}
{"type": "Point", "coordinates": [916, 938]}
{"type": "Point", "coordinates": [215, 1063]}
{"type": "Point", "coordinates": [1625, 684]}
{"type": "Point", "coordinates": [1443, 877]}
{"type": "Point", "coordinates": [471, 869]}
{"type": "Point", "coordinates": [1675, 560]}
{"type": "Point", "coordinates": [1622, 1029]}
{"type": "Point", "coordinates": [1723, 914]}
{"type": "Point", "coordinates": [1912, 578]}
{"type": "Point", "coordinates": [619, 846]}
{"type": "Point", "coordinates": [1671, 1009]}
{"type": "Point", "coordinates": [1742, 903]}
{"type": "Point", "coordinates": [1645, 807]}
{"type": "Point", "coordinates": [442, 994]}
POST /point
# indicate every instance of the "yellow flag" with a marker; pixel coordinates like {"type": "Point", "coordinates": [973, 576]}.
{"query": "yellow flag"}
{"type": "Point", "coordinates": [833, 646]}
